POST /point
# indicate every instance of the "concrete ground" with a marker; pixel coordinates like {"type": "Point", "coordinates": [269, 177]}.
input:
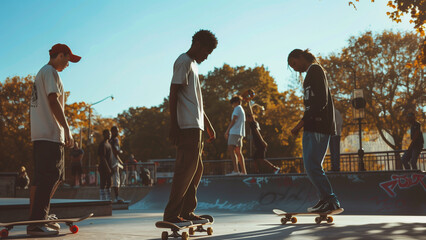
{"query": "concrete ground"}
{"type": "Point", "coordinates": [139, 224]}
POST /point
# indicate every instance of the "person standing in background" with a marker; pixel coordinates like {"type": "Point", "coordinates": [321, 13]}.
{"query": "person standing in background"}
{"type": "Point", "coordinates": [76, 169]}
{"type": "Point", "coordinates": [116, 164]}
{"type": "Point", "coordinates": [235, 134]}
{"type": "Point", "coordinates": [412, 154]}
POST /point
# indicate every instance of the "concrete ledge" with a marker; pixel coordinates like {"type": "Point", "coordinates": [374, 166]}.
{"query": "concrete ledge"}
{"type": "Point", "coordinates": [132, 194]}
{"type": "Point", "coordinates": [121, 206]}
{"type": "Point", "coordinates": [17, 209]}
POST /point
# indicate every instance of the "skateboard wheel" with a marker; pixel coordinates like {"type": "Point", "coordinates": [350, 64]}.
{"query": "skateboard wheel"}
{"type": "Point", "coordinates": [294, 220]}
{"type": "Point", "coordinates": [210, 231]}
{"type": "Point", "coordinates": [318, 220]}
{"type": "Point", "coordinates": [283, 220]}
{"type": "Point", "coordinates": [191, 231]}
{"type": "Point", "coordinates": [74, 229]}
{"type": "Point", "coordinates": [329, 219]}
{"type": "Point", "coordinates": [164, 235]}
{"type": "Point", "coordinates": [185, 236]}
{"type": "Point", "coordinates": [4, 233]}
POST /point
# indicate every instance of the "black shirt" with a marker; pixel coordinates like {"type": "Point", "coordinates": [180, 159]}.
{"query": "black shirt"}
{"type": "Point", "coordinates": [105, 155]}
{"type": "Point", "coordinates": [416, 128]}
{"type": "Point", "coordinates": [258, 143]}
{"type": "Point", "coordinates": [319, 108]}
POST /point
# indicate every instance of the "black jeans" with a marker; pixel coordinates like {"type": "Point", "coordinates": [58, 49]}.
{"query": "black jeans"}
{"type": "Point", "coordinates": [49, 170]}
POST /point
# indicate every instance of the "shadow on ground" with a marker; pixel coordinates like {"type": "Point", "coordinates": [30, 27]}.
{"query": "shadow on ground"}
{"type": "Point", "coordinates": [327, 232]}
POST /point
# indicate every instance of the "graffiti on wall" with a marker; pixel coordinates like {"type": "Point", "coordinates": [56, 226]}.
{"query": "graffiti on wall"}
{"type": "Point", "coordinates": [259, 181]}
{"type": "Point", "coordinates": [403, 182]}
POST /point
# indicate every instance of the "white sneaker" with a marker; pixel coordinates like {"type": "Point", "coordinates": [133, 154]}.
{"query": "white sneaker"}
{"type": "Point", "coordinates": [53, 225]}
{"type": "Point", "coordinates": [233, 174]}
{"type": "Point", "coordinates": [41, 230]}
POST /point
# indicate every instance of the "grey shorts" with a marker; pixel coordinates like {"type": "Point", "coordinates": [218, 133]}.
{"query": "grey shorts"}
{"type": "Point", "coordinates": [235, 140]}
{"type": "Point", "coordinates": [116, 176]}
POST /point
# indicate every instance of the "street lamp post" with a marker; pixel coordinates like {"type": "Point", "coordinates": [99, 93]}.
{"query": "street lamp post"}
{"type": "Point", "coordinates": [89, 134]}
{"type": "Point", "coordinates": [358, 103]}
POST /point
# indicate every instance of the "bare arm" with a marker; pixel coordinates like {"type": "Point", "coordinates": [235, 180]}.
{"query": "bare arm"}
{"type": "Point", "coordinates": [296, 129]}
{"type": "Point", "coordinates": [209, 128]}
{"type": "Point", "coordinates": [174, 128]}
{"type": "Point", "coordinates": [57, 111]}
{"type": "Point", "coordinates": [234, 120]}
{"type": "Point", "coordinates": [115, 152]}
{"type": "Point", "coordinates": [257, 134]}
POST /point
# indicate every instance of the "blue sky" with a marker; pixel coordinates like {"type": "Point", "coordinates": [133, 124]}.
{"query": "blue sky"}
{"type": "Point", "coordinates": [128, 47]}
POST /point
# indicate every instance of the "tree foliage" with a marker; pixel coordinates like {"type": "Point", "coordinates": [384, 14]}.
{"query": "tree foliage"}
{"type": "Point", "coordinates": [417, 11]}
{"type": "Point", "coordinates": [145, 132]}
{"type": "Point", "coordinates": [378, 64]}
{"type": "Point", "coordinates": [15, 129]}
{"type": "Point", "coordinates": [146, 129]}
{"type": "Point", "coordinates": [15, 144]}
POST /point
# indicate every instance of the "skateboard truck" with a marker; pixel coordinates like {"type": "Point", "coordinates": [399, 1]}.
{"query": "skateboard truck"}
{"type": "Point", "coordinates": [184, 235]}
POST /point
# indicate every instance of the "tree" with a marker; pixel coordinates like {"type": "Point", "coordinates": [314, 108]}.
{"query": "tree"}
{"type": "Point", "coordinates": [146, 132]}
{"type": "Point", "coordinates": [378, 64]}
{"type": "Point", "coordinates": [15, 134]}
{"type": "Point", "coordinates": [222, 83]}
{"type": "Point", "coordinates": [15, 142]}
{"type": "Point", "coordinates": [146, 129]}
{"type": "Point", "coordinates": [417, 10]}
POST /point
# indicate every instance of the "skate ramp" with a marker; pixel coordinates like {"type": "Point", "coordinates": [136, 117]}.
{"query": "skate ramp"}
{"type": "Point", "coordinates": [359, 193]}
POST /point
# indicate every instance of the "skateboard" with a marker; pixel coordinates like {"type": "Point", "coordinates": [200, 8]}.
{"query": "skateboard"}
{"type": "Point", "coordinates": [321, 216]}
{"type": "Point", "coordinates": [191, 228]}
{"type": "Point", "coordinates": [4, 233]}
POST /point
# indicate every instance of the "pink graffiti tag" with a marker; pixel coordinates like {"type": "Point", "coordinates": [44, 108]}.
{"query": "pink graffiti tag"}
{"type": "Point", "coordinates": [403, 181]}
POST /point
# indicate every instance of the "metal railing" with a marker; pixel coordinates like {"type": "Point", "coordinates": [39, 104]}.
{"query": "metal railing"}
{"type": "Point", "coordinates": [349, 162]}
{"type": "Point", "coordinates": [130, 175]}
{"type": "Point", "coordinates": [160, 168]}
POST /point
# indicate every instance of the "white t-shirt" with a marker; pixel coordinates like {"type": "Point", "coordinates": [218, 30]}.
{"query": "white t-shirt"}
{"type": "Point", "coordinates": [44, 125]}
{"type": "Point", "coordinates": [239, 127]}
{"type": "Point", "coordinates": [190, 112]}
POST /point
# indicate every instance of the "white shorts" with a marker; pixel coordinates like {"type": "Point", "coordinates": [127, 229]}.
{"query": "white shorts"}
{"type": "Point", "coordinates": [116, 176]}
{"type": "Point", "coordinates": [235, 140]}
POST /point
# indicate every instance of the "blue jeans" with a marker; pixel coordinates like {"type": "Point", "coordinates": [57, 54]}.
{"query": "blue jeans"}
{"type": "Point", "coordinates": [314, 150]}
{"type": "Point", "coordinates": [335, 152]}
{"type": "Point", "coordinates": [410, 157]}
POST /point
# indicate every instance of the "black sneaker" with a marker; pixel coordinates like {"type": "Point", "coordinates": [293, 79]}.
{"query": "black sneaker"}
{"type": "Point", "coordinates": [195, 219]}
{"type": "Point", "coordinates": [180, 222]}
{"type": "Point", "coordinates": [329, 205]}
{"type": "Point", "coordinates": [314, 208]}
{"type": "Point", "coordinates": [41, 230]}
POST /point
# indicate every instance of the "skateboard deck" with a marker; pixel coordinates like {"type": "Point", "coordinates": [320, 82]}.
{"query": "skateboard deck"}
{"type": "Point", "coordinates": [191, 228]}
{"type": "Point", "coordinates": [325, 216]}
{"type": "Point", "coordinates": [4, 233]}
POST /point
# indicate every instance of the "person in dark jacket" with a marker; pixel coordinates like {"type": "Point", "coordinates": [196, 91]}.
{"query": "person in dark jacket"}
{"type": "Point", "coordinates": [318, 125]}
{"type": "Point", "coordinates": [105, 167]}
{"type": "Point", "coordinates": [412, 154]}
{"type": "Point", "coordinates": [261, 164]}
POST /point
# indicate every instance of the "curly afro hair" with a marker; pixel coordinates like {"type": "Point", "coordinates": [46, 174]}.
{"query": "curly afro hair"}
{"type": "Point", "coordinates": [205, 38]}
